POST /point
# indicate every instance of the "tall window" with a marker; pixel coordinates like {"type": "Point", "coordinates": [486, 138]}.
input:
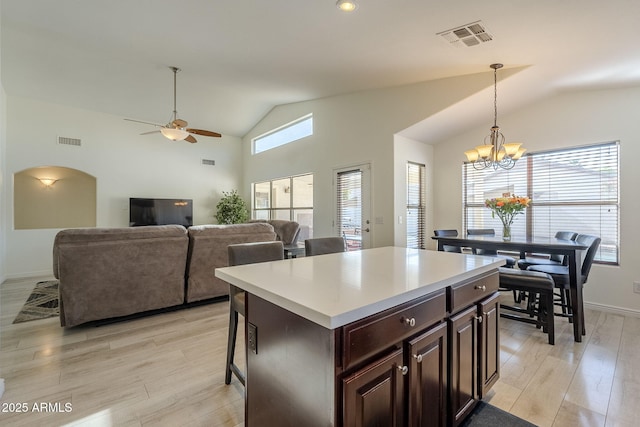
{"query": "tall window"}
{"type": "Point", "coordinates": [415, 205]}
{"type": "Point", "coordinates": [288, 198]}
{"type": "Point", "coordinates": [572, 189]}
{"type": "Point", "coordinates": [290, 132]}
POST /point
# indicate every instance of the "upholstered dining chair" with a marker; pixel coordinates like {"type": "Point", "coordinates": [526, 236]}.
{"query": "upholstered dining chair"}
{"type": "Point", "coordinates": [510, 261]}
{"type": "Point", "coordinates": [553, 259]}
{"type": "Point", "coordinates": [560, 273]}
{"type": "Point", "coordinates": [448, 233]}
{"type": "Point", "coordinates": [539, 308]}
{"type": "Point", "coordinates": [324, 245]}
{"type": "Point", "coordinates": [240, 254]}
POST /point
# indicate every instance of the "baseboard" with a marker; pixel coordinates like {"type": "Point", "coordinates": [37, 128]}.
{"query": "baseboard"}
{"type": "Point", "coordinates": [612, 309]}
{"type": "Point", "coordinates": [30, 275]}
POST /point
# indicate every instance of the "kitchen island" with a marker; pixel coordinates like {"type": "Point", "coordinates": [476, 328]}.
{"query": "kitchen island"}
{"type": "Point", "coordinates": [384, 336]}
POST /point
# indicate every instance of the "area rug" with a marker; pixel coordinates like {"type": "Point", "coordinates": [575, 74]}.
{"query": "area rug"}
{"type": "Point", "coordinates": [485, 415]}
{"type": "Point", "coordinates": [41, 304]}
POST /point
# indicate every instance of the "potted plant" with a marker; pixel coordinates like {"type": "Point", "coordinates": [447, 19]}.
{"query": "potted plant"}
{"type": "Point", "coordinates": [231, 209]}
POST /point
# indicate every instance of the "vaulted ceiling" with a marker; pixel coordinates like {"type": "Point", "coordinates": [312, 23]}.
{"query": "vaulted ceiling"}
{"type": "Point", "coordinates": [239, 59]}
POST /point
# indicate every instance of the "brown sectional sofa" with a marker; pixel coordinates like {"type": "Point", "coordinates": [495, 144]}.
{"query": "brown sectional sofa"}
{"type": "Point", "coordinates": [112, 272]}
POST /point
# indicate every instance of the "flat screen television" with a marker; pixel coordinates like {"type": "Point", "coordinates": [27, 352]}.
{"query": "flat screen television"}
{"type": "Point", "coordinates": [160, 212]}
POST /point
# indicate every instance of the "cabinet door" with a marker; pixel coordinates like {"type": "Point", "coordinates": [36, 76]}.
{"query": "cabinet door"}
{"type": "Point", "coordinates": [463, 344]}
{"type": "Point", "coordinates": [428, 378]}
{"type": "Point", "coordinates": [489, 343]}
{"type": "Point", "coordinates": [374, 395]}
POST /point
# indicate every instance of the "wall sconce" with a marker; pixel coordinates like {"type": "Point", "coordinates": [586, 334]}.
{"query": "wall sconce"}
{"type": "Point", "coordinates": [48, 182]}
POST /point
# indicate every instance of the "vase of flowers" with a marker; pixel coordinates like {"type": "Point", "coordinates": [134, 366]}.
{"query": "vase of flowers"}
{"type": "Point", "coordinates": [506, 208]}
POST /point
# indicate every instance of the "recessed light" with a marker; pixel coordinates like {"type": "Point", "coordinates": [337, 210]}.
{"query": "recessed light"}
{"type": "Point", "coordinates": [347, 5]}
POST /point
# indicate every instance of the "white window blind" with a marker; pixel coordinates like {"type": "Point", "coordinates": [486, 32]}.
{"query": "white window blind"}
{"type": "Point", "coordinates": [349, 205]}
{"type": "Point", "coordinates": [572, 189]}
{"type": "Point", "coordinates": [415, 205]}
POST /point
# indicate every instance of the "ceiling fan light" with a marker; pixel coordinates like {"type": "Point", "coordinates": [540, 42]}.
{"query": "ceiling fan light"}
{"type": "Point", "coordinates": [174, 134]}
{"type": "Point", "coordinates": [347, 5]}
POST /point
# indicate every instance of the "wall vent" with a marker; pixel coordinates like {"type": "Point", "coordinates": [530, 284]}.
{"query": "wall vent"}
{"type": "Point", "coordinates": [208, 162]}
{"type": "Point", "coordinates": [69, 141]}
{"type": "Point", "coordinates": [467, 35]}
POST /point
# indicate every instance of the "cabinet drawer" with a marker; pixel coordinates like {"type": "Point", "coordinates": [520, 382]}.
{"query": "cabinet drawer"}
{"type": "Point", "coordinates": [369, 336]}
{"type": "Point", "coordinates": [466, 293]}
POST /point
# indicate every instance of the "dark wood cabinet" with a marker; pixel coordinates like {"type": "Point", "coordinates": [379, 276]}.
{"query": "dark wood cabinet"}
{"type": "Point", "coordinates": [489, 343]}
{"type": "Point", "coordinates": [463, 364]}
{"type": "Point", "coordinates": [374, 395]}
{"type": "Point", "coordinates": [427, 379]}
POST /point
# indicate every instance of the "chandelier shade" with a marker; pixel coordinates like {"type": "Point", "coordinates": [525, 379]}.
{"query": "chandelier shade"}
{"type": "Point", "coordinates": [494, 152]}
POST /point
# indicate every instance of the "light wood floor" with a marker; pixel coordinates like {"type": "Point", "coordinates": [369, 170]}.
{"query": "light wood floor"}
{"type": "Point", "coordinates": [168, 370]}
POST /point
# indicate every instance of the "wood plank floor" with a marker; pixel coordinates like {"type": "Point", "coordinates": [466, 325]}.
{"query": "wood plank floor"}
{"type": "Point", "coordinates": [168, 370]}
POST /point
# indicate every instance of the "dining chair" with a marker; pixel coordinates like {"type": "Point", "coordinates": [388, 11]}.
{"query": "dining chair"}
{"type": "Point", "coordinates": [553, 259]}
{"type": "Point", "coordinates": [510, 261]}
{"type": "Point", "coordinates": [241, 254]}
{"type": "Point", "coordinates": [448, 233]}
{"type": "Point", "coordinates": [539, 307]}
{"type": "Point", "coordinates": [324, 245]}
{"type": "Point", "coordinates": [560, 273]}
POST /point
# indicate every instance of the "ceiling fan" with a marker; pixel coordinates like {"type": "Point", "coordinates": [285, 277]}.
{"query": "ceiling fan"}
{"type": "Point", "coordinates": [176, 129]}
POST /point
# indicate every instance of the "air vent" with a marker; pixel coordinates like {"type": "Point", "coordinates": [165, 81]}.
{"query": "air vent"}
{"type": "Point", "coordinates": [69, 141]}
{"type": "Point", "coordinates": [208, 162]}
{"type": "Point", "coordinates": [467, 35]}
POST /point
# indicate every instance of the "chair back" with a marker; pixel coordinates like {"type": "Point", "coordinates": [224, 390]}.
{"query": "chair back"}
{"type": "Point", "coordinates": [445, 233]}
{"type": "Point", "coordinates": [563, 235]}
{"type": "Point", "coordinates": [448, 233]}
{"type": "Point", "coordinates": [482, 232]}
{"type": "Point", "coordinates": [248, 253]}
{"type": "Point", "coordinates": [594, 244]}
{"type": "Point", "coordinates": [324, 245]}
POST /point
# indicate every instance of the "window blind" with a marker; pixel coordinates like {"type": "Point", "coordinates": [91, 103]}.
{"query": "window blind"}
{"type": "Point", "coordinates": [573, 189]}
{"type": "Point", "coordinates": [415, 205]}
{"type": "Point", "coordinates": [349, 205]}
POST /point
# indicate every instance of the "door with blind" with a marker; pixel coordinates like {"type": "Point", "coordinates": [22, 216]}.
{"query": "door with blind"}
{"type": "Point", "coordinates": [353, 206]}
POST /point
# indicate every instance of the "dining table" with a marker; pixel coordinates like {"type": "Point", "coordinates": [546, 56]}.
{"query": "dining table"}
{"type": "Point", "coordinates": [572, 250]}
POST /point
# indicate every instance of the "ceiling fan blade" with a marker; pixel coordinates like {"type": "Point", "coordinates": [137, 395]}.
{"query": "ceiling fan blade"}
{"type": "Point", "coordinates": [204, 132]}
{"type": "Point", "coordinates": [191, 139]}
{"type": "Point", "coordinates": [179, 123]}
{"type": "Point", "coordinates": [146, 123]}
{"type": "Point", "coordinates": [150, 132]}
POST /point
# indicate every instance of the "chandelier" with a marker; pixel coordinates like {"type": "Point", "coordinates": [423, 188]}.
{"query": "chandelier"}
{"type": "Point", "coordinates": [494, 152]}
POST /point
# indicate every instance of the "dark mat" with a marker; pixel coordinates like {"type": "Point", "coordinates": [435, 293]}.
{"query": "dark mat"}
{"type": "Point", "coordinates": [41, 304]}
{"type": "Point", "coordinates": [485, 415]}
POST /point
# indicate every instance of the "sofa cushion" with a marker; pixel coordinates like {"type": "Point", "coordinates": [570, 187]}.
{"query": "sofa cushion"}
{"type": "Point", "coordinates": [208, 251]}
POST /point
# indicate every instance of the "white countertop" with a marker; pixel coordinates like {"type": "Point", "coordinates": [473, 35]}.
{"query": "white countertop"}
{"type": "Point", "coordinates": [336, 289]}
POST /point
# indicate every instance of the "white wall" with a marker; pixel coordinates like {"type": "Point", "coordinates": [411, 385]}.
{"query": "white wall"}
{"type": "Point", "coordinates": [3, 184]}
{"type": "Point", "coordinates": [565, 120]}
{"type": "Point", "coordinates": [349, 130]}
{"type": "Point", "coordinates": [124, 163]}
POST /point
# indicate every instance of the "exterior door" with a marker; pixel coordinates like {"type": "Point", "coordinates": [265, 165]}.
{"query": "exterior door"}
{"type": "Point", "coordinates": [353, 206]}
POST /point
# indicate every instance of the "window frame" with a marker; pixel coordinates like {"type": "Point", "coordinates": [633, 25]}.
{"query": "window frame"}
{"type": "Point", "coordinates": [607, 201]}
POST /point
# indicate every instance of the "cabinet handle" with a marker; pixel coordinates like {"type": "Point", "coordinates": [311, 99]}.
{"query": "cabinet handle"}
{"type": "Point", "coordinates": [479, 319]}
{"type": "Point", "coordinates": [418, 358]}
{"type": "Point", "coordinates": [410, 321]}
{"type": "Point", "coordinates": [403, 369]}
{"type": "Point", "coordinates": [480, 287]}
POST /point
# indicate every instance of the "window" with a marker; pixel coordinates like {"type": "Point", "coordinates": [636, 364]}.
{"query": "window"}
{"type": "Point", "coordinates": [415, 205]}
{"type": "Point", "coordinates": [573, 189]}
{"type": "Point", "coordinates": [349, 207]}
{"type": "Point", "coordinates": [290, 132]}
{"type": "Point", "coordinates": [288, 198]}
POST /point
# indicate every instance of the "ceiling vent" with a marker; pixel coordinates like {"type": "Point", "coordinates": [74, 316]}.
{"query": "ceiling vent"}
{"type": "Point", "coordinates": [467, 35]}
{"type": "Point", "coordinates": [208, 162]}
{"type": "Point", "coordinates": [69, 141]}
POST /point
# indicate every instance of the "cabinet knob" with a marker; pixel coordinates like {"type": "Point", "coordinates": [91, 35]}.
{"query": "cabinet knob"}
{"type": "Point", "coordinates": [479, 319]}
{"type": "Point", "coordinates": [403, 369]}
{"type": "Point", "coordinates": [418, 358]}
{"type": "Point", "coordinates": [410, 321]}
{"type": "Point", "coordinates": [481, 287]}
